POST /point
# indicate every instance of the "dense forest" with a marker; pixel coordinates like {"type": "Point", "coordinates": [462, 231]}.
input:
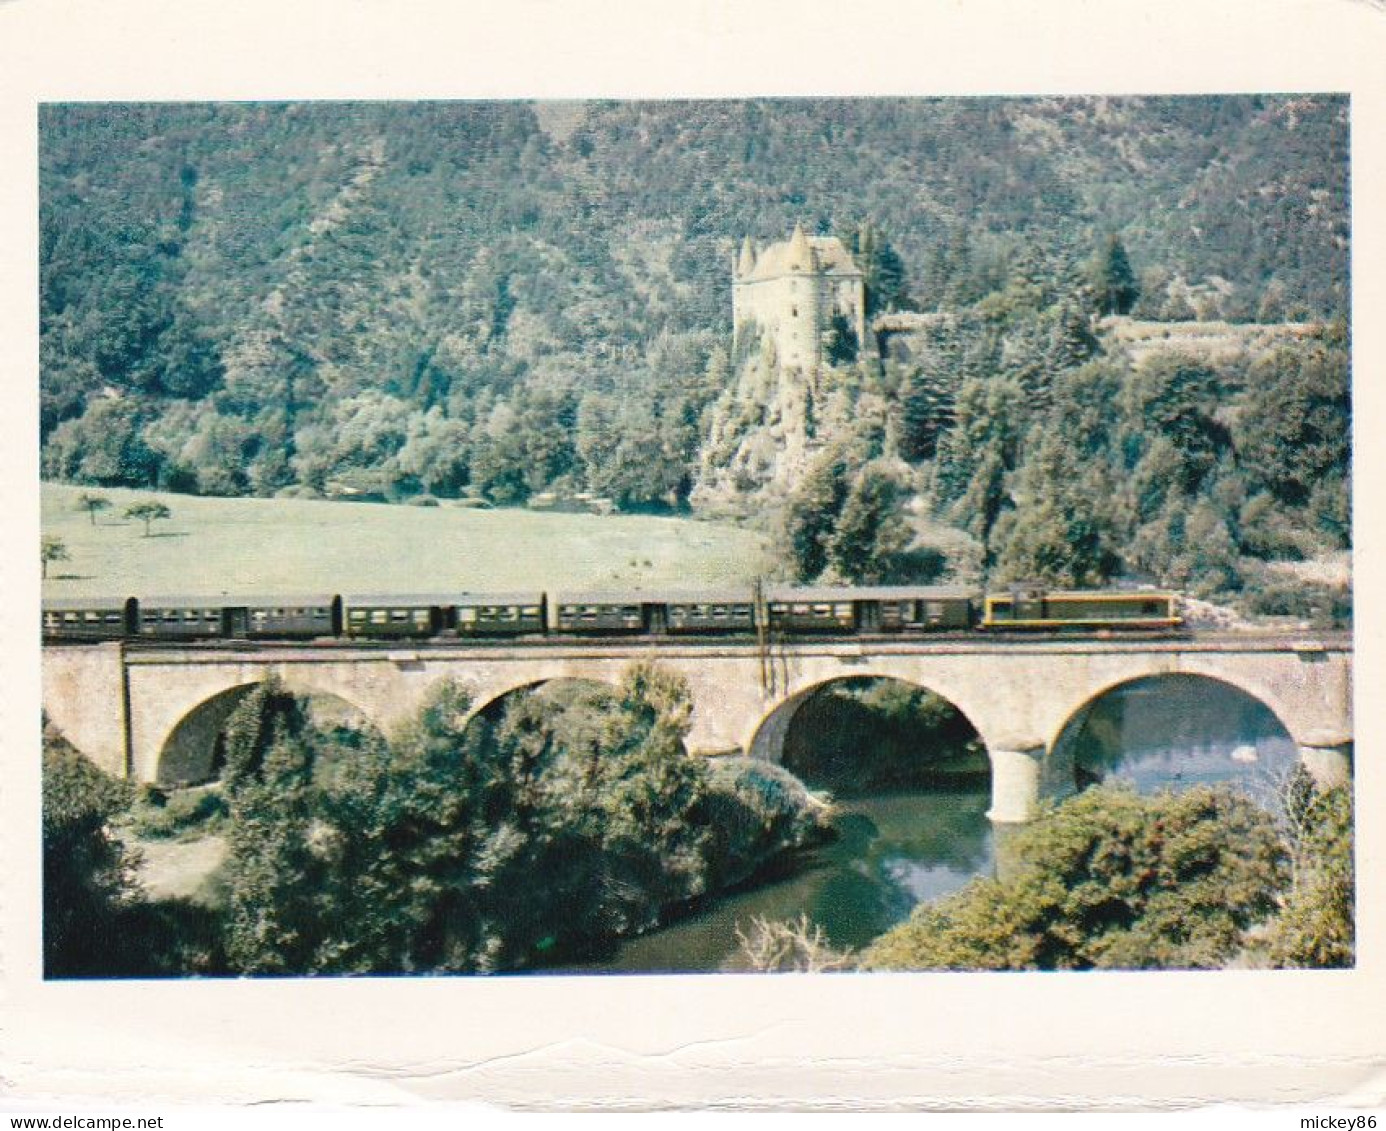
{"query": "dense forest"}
{"type": "Point", "coordinates": [510, 299]}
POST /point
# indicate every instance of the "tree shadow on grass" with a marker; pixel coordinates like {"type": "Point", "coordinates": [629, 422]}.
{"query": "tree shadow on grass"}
{"type": "Point", "coordinates": [166, 534]}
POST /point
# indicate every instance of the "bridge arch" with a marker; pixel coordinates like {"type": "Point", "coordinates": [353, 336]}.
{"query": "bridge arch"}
{"type": "Point", "coordinates": [1235, 711]}
{"type": "Point", "coordinates": [768, 740]}
{"type": "Point", "coordinates": [190, 752]}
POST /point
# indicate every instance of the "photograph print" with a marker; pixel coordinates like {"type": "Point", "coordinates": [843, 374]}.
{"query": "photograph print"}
{"type": "Point", "coordinates": [735, 536]}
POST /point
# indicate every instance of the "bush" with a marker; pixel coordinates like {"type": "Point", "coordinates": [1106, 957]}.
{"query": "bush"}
{"type": "Point", "coordinates": [1316, 928]}
{"type": "Point", "coordinates": [757, 810]}
{"type": "Point", "coordinates": [795, 946]}
{"type": "Point", "coordinates": [1110, 880]}
{"type": "Point", "coordinates": [88, 875]}
{"type": "Point", "coordinates": [424, 501]}
{"type": "Point", "coordinates": [161, 816]}
{"type": "Point", "coordinates": [1273, 594]}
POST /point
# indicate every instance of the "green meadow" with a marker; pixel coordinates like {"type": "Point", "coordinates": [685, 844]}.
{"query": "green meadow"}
{"type": "Point", "coordinates": [243, 547]}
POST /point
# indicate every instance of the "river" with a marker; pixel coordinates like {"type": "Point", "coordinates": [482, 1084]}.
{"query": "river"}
{"type": "Point", "coordinates": [893, 850]}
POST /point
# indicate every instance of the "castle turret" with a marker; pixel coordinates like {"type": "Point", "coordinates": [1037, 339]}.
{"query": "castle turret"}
{"type": "Point", "coordinates": [747, 263]}
{"type": "Point", "coordinates": [792, 291]}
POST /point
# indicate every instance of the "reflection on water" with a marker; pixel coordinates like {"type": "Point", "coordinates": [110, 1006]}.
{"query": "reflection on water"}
{"type": "Point", "coordinates": [1178, 731]}
{"type": "Point", "coordinates": [895, 850]}
{"type": "Point", "coordinates": [892, 851]}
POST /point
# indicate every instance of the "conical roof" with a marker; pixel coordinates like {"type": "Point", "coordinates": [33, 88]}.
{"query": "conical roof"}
{"type": "Point", "coordinates": [800, 254]}
{"type": "Point", "coordinates": [747, 263]}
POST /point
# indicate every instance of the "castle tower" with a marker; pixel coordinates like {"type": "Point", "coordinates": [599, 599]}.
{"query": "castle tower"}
{"type": "Point", "coordinates": [791, 292]}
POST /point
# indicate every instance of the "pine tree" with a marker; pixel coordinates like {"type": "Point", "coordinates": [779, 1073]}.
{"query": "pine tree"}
{"type": "Point", "coordinates": [1113, 280]}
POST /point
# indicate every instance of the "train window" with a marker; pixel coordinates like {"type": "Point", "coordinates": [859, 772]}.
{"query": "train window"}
{"type": "Point", "coordinates": [800, 610]}
{"type": "Point", "coordinates": [933, 609]}
{"type": "Point", "coordinates": [470, 616]}
{"type": "Point", "coordinates": [421, 616]}
{"type": "Point", "coordinates": [531, 610]}
{"type": "Point", "coordinates": [91, 617]}
{"type": "Point", "coordinates": [379, 616]}
{"type": "Point", "coordinates": [1150, 607]}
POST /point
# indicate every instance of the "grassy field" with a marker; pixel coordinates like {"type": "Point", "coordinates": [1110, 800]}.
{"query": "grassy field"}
{"type": "Point", "coordinates": [244, 547]}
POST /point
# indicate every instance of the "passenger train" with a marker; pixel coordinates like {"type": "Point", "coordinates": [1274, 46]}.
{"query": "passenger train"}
{"type": "Point", "coordinates": [762, 613]}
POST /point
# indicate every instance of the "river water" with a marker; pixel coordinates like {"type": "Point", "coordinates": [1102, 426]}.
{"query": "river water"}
{"type": "Point", "coordinates": [896, 849]}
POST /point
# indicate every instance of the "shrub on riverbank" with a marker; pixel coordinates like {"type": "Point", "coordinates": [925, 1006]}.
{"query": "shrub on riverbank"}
{"type": "Point", "coordinates": [1110, 880]}
{"type": "Point", "coordinates": [1316, 927]}
{"type": "Point", "coordinates": [532, 835]}
{"type": "Point", "coordinates": [757, 810]}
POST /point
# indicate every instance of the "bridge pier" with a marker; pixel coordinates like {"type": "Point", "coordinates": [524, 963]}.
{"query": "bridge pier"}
{"type": "Point", "coordinates": [1017, 764]}
{"type": "Point", "coordinates": [1328, 758]}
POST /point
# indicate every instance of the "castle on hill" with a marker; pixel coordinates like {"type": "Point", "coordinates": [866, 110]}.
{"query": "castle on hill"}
{"type": "Point", "coordinates": [792, 290]}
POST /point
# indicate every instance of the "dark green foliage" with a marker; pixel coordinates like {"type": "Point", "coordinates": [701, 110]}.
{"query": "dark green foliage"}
{"type": "Point", "coordinates": [186, 811]}
{"type": "Point", "coordinates": [1295, 431]}
{"type": "Point", "coordinates": [811, 519]}
{"type": "Point", "coordinates": [1113, 281]}
{"type": "Point", "coordinates": [1109, 880]}
{"type": "Point", "coordinates": [269, 263]}
{"type": "Point", "coordinates": [539, 832]}
{"type": "Point", "coordinates": [756, 811]}
{"type": "Point", "coordinates": [871, 533]}
{"type": "Point", "coordinates": [862, 735]}
{"type": "Point", "coordinates": [87, 871]}
{"type": "Point", "coordinates": [1316, 927]}
{"type": "Point", "coordinates": [883, 271]}
{"type": "Point", "coordinates": [842, 345]}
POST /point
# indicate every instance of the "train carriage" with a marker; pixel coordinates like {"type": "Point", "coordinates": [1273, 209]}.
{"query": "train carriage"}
{"type": "Point", "coordinates": [500, 614]}
{"type": "Point", "coordinates": [601, 613]}
{"type": "Point", "coordinates": [913, 608]}
{"type": "Point", "coordinates": [870, 609]}
{"type": "Point", "coordinates": [81, 618]}
{"type": "Point", "coordinates": [180, 618]}
{"type": "Point", "coordinates": [815, 609]}
{"type": "Point", "coordinates": [395, 616]}
{"type": "Point", "coordinates": [270, 618]}
{"type": "Point", "coordinates": [1037, 609]}
{"type": "Point", "coordinates": [728, 611]}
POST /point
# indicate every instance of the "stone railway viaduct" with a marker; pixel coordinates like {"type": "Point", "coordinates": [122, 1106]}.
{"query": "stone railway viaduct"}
{"type": "Point", "coordinates": [152, 712]}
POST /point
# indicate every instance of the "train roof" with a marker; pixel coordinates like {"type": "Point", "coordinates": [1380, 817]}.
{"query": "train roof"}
{"type": "Point", "coordinates": [84, 604]}
{"type": "Point", "coordinates": [466, 600]}
{"type": "Point", "coordinates": [869, 593]}
{"type": "Point", "coordinates": [655, 597]}
{"type": "Point", "coordinates": [1085, 594]}
{"type": "Point", "coordinates": [442, 599]}
{"type": "Point", "coordinates": [234, 601]}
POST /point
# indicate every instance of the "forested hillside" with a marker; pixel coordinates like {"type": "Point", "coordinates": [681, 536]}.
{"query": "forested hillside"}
{"type": "Point", "coordinates": [509, 298]}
